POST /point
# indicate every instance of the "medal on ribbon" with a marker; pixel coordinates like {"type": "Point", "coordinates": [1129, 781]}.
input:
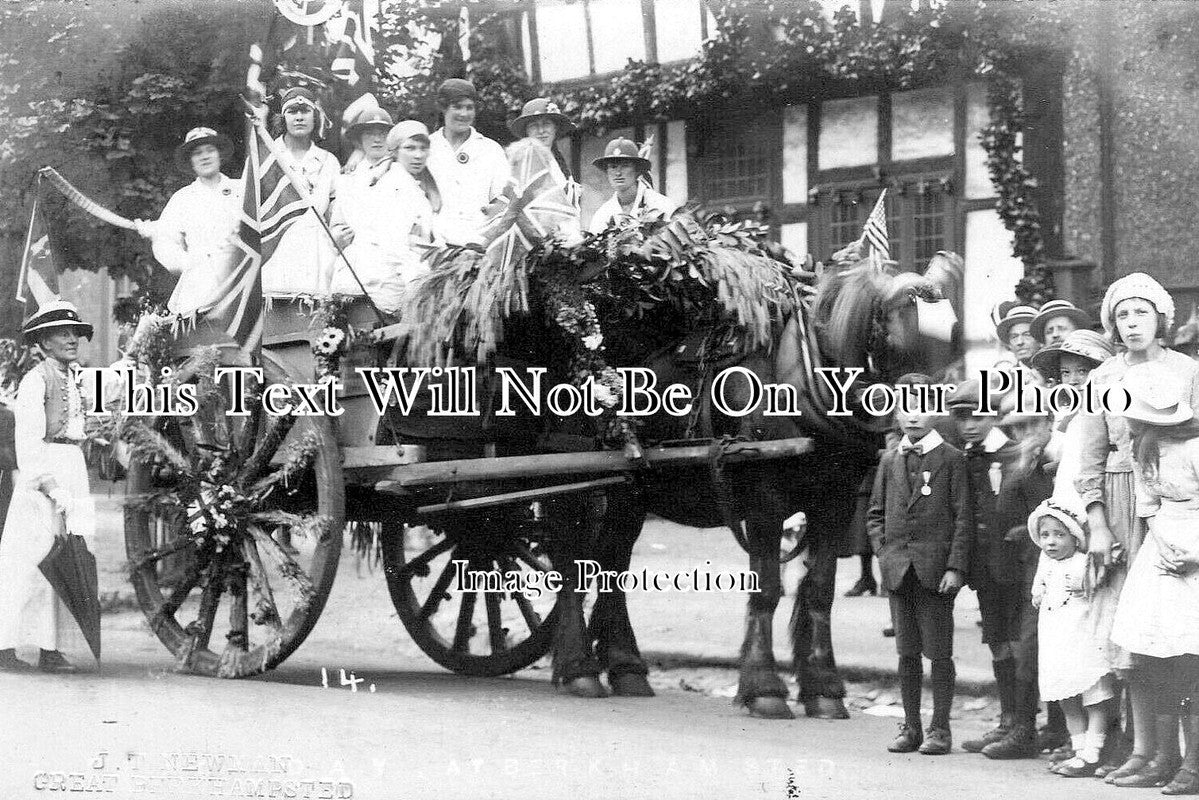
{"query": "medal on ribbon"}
{"type": "Point", "coordinates": [926, 490]}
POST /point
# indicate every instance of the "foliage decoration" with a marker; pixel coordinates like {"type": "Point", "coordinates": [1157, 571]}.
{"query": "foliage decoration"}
{"type": "Point", "coordinates": [337, 337]}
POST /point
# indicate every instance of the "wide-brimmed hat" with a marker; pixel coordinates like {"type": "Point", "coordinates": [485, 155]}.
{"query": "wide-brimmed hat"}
{"type": "Point", "coordinates": [622, 150]}
{"type": "Point", "coordinates": [198, 136]}
{"type": "Point", "coordinates": [54, 315]}
{"type": "Point", "coordinates": [405, 130]}
{"type": "Point", "coordinates": [541, 108]}
{"type": "Point", "coordinates": [1084, 343]}
{"type": "Point", "coordinates": [368, 118]}
{"type": "Point", "coordinates": [1014, 316]}
{"type": "Point", "coordinates": [1070, 514]}
{"type": "Point", "coordinates": [302, 95]}
{"type": "Point", "coordinates": [1054, 309]}
{"type": "Point", "coordinates": [1136, 284]}
{"type": "Point", "coordinates": [454, 89]}
{"type": "Point", "coordinates": [1157, 395]}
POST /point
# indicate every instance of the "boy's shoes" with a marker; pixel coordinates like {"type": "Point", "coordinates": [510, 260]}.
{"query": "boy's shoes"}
{"type": "Point", "coordinates": [908, 740]}
{"type": "Point", "coordinates": [937, 742]}
{"type": "Point", "coordinates": [1020, 742]}
{"type": "Point", "coordinates": [863, 586]}
{"type": "Point", "coordinates": [993, 735]}
{"type": "Point", "coordinates": [10, 663]}
{"type": "Point", "coordinates": [53, 661]}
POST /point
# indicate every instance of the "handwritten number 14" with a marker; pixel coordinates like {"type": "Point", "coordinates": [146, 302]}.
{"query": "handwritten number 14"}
{"type": "Point", "coordinates": [350, 681]}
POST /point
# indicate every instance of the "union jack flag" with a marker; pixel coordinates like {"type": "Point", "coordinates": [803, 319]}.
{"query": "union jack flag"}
{"type": "Point", "coordinates": [270, 203]}
{"type": "Point", "coordinates": [875, 231]}
{"type": "Point", "coordinates": [354, 52]}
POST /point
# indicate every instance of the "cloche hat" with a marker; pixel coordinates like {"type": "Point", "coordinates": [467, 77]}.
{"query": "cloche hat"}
{"type": "Point", "coordinates": [55, 314]}
{"type": "Point", "coordinates": [405, 130]}
{"type": "Point", "coordinates": [1054, 309]}
{"type": "Point", "coordinates": [622, 150]}
{"type": "Point", "coordinates": [1136, 284]}
{"type": "Point", "coordinates": [199, 136]}
{"type": "Point", "coordinates": [541, 108]}
{"type": "Point", "coordinates": [1084, 343]}
{"type": "Point", "coordinates": [1065, 512]}
{"type": "Point", "coordinates": [454, 89]}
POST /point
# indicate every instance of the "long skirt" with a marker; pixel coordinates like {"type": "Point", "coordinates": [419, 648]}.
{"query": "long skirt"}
{"type": "Point", "coordinates": [1120, 506]}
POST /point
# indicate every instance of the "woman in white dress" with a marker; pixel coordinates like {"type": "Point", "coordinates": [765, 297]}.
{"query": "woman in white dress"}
{"type": "Point", "coordinates": [633, 197]}
{"type": "Point", "coordinates": [302, 264]}
{"type": "Point", "coordinates": [51, 496]}
{"type": "Point", "coordinates": [195, 236]}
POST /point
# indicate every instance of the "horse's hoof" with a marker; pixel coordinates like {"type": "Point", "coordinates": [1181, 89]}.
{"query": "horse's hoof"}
{"type": "Point", "coordinates": [825, 708]}
{"type": "Point", "coordinates": [769, 708]}
{"type": "Point", "coordinates": [585, 686]}
{"type": "Point", "coordinates": [630, 685]}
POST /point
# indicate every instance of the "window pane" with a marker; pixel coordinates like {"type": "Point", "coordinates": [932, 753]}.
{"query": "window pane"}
{"type": "Point", "coordinates": [562, 40]}
{"type": "Point", "coordinates": [922, 124]}
{"type": "Point", "coordinates": [848, 216]}
{"type": "Point", "coordinates": [679, 29]}
{"type": "Point", "coordinates": [734, 163]}
{"type": "Point", "coordinates": [848, 132]}
{"type": "Point", "coordinates": [928, 225]}
{"type": "Point", "coordinates": [617, 33]}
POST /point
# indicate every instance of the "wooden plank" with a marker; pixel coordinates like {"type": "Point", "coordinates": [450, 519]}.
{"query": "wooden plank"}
{"type": "Point", "coordinates": [607, 461]}
{"type": "Point", "coordinates": [525, 496]}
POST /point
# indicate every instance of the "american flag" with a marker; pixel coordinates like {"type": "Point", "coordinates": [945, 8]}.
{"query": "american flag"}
{"type": "Point", "coordinates": [875, 231]}
{"type": "Point", "coordinates": [270, 203]}
{"type": "Point", "coordinates": [354, 52]}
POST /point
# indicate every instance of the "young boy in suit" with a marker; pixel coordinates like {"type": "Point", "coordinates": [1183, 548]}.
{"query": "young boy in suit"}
{"type": "Point", "coordinates": [1005, 487]}
{"type": "Point", "coordinates": [919, 525]}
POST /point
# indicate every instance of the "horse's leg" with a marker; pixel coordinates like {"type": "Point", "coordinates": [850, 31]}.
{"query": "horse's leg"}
{"type": "Point", "coordinates": [759, 687]}
{"type": "Point", "coordinates": [574, 664]}
{"type": "Point", "coordinates": [611, 629]}
{"type": "Point", "coordinates": [820, 687]}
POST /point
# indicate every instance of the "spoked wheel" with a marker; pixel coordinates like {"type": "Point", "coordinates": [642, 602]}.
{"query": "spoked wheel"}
{"type": "Point", "coordinates": [474, 632]}
{"type": "Point", "coordinates": [233, 528]}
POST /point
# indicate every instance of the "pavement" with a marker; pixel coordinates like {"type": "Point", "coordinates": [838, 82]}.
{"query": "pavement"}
{"type": "Point", "coordinates": [673, 628]}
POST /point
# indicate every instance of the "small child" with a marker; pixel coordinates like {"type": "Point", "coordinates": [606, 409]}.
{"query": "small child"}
{"type": "Point", "coordinates": [1072, 665]}
{"type": "Point", "coordinates": [919, 525]}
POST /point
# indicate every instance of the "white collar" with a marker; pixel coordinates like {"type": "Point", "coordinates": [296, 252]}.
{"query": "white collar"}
{"type": "Point", "coordinates": [474, 134]}
{"type": "Point", "coordinates": [928, 442]}
{"type": "Point", "coordinates": [995, 440]}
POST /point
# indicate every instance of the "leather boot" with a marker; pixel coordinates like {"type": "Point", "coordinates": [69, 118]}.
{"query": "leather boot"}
{"type": "Point", "coordinates": [1186, 780]}
{"type": "Point", "coordinates": [1005, 683]}
{"type": "Point", "coordinates": [1020, 742]}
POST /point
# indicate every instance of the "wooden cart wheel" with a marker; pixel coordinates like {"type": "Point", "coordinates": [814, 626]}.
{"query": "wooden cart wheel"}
{"type": "Point", "coordinates": [485, 634]}
{"type": "Point", "coordinates": [237, 601]}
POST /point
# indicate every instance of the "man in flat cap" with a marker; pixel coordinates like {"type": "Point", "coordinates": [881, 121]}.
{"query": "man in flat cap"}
{"type": "Point", "coordinates": [470, 169]}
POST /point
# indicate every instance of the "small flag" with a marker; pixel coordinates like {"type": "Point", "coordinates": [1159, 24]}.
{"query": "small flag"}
{"type": "Point", "coordinates": [464, 33]}
{"type": "Point", "coordinates": [37, 282]}
{"type": "Point", "coordinates": [270, 203]}
{"type": "Point", "coordinates": [875, 231]}
{"type": "Point", "coordinates": [351, 32]}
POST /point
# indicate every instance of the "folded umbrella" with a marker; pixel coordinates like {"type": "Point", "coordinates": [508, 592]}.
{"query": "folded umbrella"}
{"type": "Point", "coordinates": [71, 570]}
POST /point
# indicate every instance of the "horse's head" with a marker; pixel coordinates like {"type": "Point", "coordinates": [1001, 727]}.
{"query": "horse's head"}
{"type": "Point", "coordinates": [890, 322]}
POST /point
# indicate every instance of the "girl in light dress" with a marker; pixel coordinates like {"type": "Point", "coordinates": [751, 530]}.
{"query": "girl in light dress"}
{"type": "Point", "coordinates": [1071, 662]}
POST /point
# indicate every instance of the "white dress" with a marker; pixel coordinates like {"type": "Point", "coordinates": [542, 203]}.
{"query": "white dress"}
{"type": "Point", "coordinates": [195, 238]}
{"type": "Point", "coordinates": [29, 609]}
{"type": "Point", "coordinates": [1158, 614]}
{"type": "Point", "coordinates": [386, 210]}
{"type": "Point", "coordinates": [302, 263]}
{"type": "Point", "coordinates": [1070, 659]}
{"type": "Point", "coordinates": [468, 177]}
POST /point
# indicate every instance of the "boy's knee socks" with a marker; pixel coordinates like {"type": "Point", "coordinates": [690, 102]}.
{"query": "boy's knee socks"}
{"type": "Point", "coordinates": [944, 677]}
{"type": "Point", "coordinates": [911, 676]}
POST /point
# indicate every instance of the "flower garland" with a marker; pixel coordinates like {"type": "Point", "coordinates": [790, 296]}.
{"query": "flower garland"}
{"type": "Point", "coordinates": [337, 336]}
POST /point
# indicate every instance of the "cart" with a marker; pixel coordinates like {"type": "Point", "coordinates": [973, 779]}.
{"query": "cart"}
{"type": "Point", "coordinates": [235, 530]}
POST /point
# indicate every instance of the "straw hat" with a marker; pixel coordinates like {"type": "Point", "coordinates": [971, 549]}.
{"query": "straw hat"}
{"type": "Point", "coordinates": [1084, 343]}
{"type": "Point", "coordinates": [1157, 395]}
{"type": "Point", "coordinates": [1013, 316]}
{"type": "Point", "coordinates": [200, 136]}
{"type": "Point", "coordinates": [1065, 512]}
{"type": "Point", "coordinates": [541, 108]}
{"type": "Point", "coordinates": [53, 315]}
{"type": "Point", "coordinates": [1054, 309]}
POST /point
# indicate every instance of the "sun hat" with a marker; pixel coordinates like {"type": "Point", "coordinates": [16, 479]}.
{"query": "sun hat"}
{"type": "Point", "coordinates": [1136, 284]}
{"type": "Point", "coordinates": [622, 150]}
{"type": "Point", "coordinates": [303, 96]}
{"type": "Point", "coordinates": [1054, 309]}
{"type": "Point", "coordinates": [407, 129]}
{"type": "Point", "coordinates": [200, 136]}
{"type": "Point", "coordinates": [368, 118]}
{"type": "Point", "coordinates": [541, 108]}
{"type": "Point", "coordinates": [55, 314]}
{"type": "Point", "coordinates": [1157, 395]}
{"type": "Point", "coordinates": [454, 89]}
{"type": "Point", "coordinates": [1084, 343]}
{"type": "Point", "coordinates": [1014, 315]}
{"type": "Point", "coordinates": [1065, 512]}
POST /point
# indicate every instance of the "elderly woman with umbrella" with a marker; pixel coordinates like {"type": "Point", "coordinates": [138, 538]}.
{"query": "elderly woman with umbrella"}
{"type": "Point", "coordinates": [51, 497]}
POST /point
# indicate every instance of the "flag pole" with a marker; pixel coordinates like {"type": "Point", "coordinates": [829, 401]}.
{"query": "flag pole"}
{"type": "Point", "coordinates": [23, 276]}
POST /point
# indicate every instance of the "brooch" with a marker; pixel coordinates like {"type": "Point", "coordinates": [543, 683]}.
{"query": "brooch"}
{"type": "Point", "coordinates": [926, 490]}
{"type": "Point", "coordinates": [462, 157]}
